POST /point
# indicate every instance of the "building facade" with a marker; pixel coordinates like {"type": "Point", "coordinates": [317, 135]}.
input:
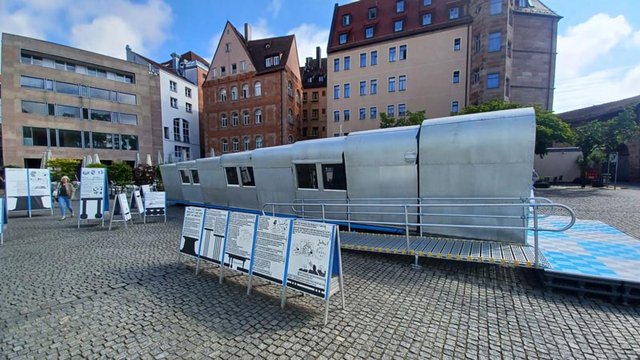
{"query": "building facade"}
{"type": "Point", "coordinates": [179, 101]}
{"type": "Point", "coordinates": [437, 56]}
{"type": "Point", "coordinates": [253, 91]}
{"type": "Point", "coordinates": [75, 103]}
{"type": "Point", "coordinates": [314, 97]}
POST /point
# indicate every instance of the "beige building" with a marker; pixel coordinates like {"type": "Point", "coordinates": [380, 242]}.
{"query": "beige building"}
{"type": "Point", "coordinates": [75, 103]}
{"type": "Point", "coordinates": [436, 55]}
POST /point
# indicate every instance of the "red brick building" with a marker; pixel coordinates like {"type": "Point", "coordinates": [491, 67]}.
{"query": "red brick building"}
{"type": "Point", "coordinates": [252, 94]}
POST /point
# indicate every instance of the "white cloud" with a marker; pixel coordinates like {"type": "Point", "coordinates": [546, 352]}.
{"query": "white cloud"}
{"type": "Point", "coordinates": [584, 74]}
{"type": "Point", "coordinates": [260, 30]}
{"type": "Point", "coordinates": [107, 35]}
{"type": "Point", "coordinates": [308, 36]}
{"type": "Point", "coordinates": [274, 7]}
{"type": "Point", "coordinates": [586, 42]}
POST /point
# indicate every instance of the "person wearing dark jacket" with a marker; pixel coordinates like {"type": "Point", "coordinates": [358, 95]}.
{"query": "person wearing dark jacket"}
{"type": "Point", "coordinates": [65, 193]}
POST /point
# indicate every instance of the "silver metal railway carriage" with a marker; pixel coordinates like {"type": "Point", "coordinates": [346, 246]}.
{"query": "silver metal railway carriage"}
{"type": "Point", "coordinates": [479, 158]}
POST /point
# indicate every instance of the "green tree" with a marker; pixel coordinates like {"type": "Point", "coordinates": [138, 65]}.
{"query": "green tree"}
{"type": "Point", "coordinates": [120, 173]}
{"type": "Point", "coordinates": [411, 118]}
{"type": "Point", "coordinates": [549, 127]}
{"type": "Point", "coordinates": [63, 167]}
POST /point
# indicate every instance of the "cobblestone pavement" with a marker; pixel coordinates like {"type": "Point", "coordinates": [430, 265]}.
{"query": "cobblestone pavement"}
{"type": "Point", "coordinates": [90, 293]}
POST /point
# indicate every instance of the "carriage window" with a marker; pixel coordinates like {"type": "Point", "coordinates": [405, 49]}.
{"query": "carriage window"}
{"type": "Point", "coordinates": [195, 176]}
{"type": "Point", "coordinates": [246, 174]}
{"type": "Point", "coordinates": [232, 176]}
{"type": "Point", "coordinates": [307, 177]}
{"type": "Point", "coordinates": [184, 175]}
{"type": "Point", "coordinates": [333, 177]}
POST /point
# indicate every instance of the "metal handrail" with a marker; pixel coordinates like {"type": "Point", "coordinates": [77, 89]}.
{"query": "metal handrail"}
{"type": "Point", "coordinates": [530, 206]}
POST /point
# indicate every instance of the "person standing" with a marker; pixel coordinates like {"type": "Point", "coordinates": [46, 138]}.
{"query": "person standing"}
{"type": "Point", "coordinates": [65, 193]}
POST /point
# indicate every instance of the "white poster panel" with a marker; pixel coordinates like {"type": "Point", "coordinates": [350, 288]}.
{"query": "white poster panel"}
{"type": "Point", "coordinates": [240, 234]}
{"type": "Point", "coordinates": [136, 202]}
{"type": "Point", "coordinates": [124, 206]}
{"type": "Point", "coordinates": [92, 183]}
{"type": "Point", "coordinates": [270, 253]}
{"type": "Point", "coordinates": [40, 188]}
{"type": "Point", "coordinates": [144, 189]}
{"type": "Point", "coordinates": [310, 256]}
{"type": "Point", "coordinates": [154, 203]}
{"type": "Point", "coordinates": [191, 230]}
{"type": "Point", "coordinates": [17, 189]}
{"type": "Point", "coordinates": [214, 233]}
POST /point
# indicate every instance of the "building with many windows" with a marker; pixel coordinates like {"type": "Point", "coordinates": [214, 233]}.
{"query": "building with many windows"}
{"type": "Point", "coordinates": [436, 55]}
{"type": "Point", "coordinates": [252, 95]}
{"type": "Point", "coordinates": [179, 99]}
{"type": "Point", "coordinates": [314, 97]}
{"type": "Point", "coordinates": [75, 103]}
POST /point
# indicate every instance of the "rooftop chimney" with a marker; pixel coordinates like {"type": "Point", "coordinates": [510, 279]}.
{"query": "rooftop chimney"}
{"type": "Point", "coordinates": [318, 57]}
{"type": "Point", "coordinates": [247, 32]}
{"type": "Point", "coordinates": [174, 61]}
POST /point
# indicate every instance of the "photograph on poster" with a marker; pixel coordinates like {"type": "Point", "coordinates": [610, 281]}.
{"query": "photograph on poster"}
{"type": "Point", "coordinates": [309, 256]}
{"type": "Point", "coordinates": [154, 203]}
{"type": "Point", "coordinates": [240, 235]}
{"type": "Point", "coordinates": [215, 227]}
{"type": "Point", "coordinates": [191, 230]}
{"type": "Point", "coordinates": [270, 252]}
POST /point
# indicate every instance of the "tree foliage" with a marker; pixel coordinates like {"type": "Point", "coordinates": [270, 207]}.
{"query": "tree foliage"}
{"type": "Point", "coordinates": [144, 174]}
{"type": "Point", "coordinates": [63, 167]}
{"type": "Point", "coordinates": [411, 118]}
{"type": "Point", "coordinates": [596, 139]}
{"type": "Point", "coordinates": [120, 173]}
{"type": "Point", "coordinates": [96, 166]}
{"type": "Point", "coordinates": [549, 127]}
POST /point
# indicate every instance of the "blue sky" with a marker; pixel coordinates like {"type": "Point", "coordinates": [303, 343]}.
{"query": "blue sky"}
{"type": "Point", "coordinates": [598, 41]}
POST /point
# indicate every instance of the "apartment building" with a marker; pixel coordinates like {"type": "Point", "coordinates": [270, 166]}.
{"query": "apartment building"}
{"type": "Point", "coordinates": [314, 97]}
{"type": "Point", "coordinates": [439, 56]}
{"type": "Point", "coordinates": [179, 100]}
{"type": "Point", "coordinates": [75, 103]}
{"type": "Point", "coordinates": [253, 91]}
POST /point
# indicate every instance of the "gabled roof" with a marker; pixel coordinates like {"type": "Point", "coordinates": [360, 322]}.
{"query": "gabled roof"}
{"type": "Point", "coordinates": [537, 8]}
{"type": "Point", "coordinates": [599, 112]}
{"type": "Point", "coordinates": [263, 48]}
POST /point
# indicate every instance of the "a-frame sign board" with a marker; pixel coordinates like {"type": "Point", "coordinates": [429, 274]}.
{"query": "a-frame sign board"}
{"type": "Point", "coordinates": [120, 209]}
{"type": "Point", "coordinates": [28, 190]}
{"type": "Point", "coordinates": [94, 200]}
{"type": "Point", "coordinates": [192, 225]}
{"type": "Point", "coordinates": [135, 205]}
{"type": "Point", "coordinates": [155, 204]}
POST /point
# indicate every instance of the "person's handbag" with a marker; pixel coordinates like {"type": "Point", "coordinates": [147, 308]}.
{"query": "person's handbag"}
{"type": "Point", "coordinates": [55, 194]}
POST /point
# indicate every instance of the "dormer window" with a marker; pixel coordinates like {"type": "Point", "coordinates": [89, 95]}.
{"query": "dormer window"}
{"type": "Point", "coordinates": [268, 62]}
{"type": "Point", "coordinates": [368, 32]}
{"type": "Point", "coordinates": [342, 39]}
{"type": "Point", "coordinates": [373, 13]}
{"type": "Point", "coordinates": [398, 25]}
{"type": "Point", "coordinates": [346, 20]}
{"type": "Point", "coordinates": [399, 6]}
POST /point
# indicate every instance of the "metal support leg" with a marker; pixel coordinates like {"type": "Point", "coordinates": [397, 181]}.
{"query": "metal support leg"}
{"type": "Point", "coordinates": [536, 249]}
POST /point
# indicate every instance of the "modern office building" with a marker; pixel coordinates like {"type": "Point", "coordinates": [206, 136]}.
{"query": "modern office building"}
{"type": "Point", "coordinates": [314, 97]}
{"type": "Point", "coordinates": [436, 55]}
{"type": "Point", "coordinates": [252, 96]}
{"type": "Point", "coordinates": [179, 99]}
{"type": "Point", "coordinates": [75, 103]}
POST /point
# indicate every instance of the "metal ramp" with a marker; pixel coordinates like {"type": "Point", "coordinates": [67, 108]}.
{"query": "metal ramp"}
{"type": "Point", "coordinates": [444, 248]}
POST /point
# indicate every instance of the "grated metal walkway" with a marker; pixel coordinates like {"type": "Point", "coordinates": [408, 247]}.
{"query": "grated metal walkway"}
{"type": "Point", "coordinates": [444, 248]}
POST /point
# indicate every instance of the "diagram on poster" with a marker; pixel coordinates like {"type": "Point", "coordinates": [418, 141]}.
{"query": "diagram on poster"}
{"type": "Point", "coordinates": [136, 202]}
{"type": "Point", "coordinates": [213, 236]}
{"type": "Point", "coordinates": [191, 230]}
{"type": "Point", "coordinates": [270, 253]}
{"type": "Point", "coordinates": [154, 203]}
{"type": "Point", "coordinates": [40, 188]}
{"type": "Point", "coordinates": [240, 235]}
{"type": "Point", "coordinates": [17, 189]}
{"type": "Point", "coordinates": [309, 257]}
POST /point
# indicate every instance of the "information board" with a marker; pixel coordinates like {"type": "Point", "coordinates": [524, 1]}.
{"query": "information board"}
{"type": "Point", "coordinates": [213, 235]}
{"type": "Point", "coordinates": [17, 189]}
{"type": "Point", "coordinates": [240, 234]}
{"type": "Point", "coordinates": [93, 193]}
{"type": "Point", "coordinates": [136, 202]}
{"type": "Point", "coordinates": [191, 230]}
{"type": "Point", "coordinates": [310, 257]}
{"type": "Point", "coordinates": [155, 203]}
{"type": "Point", "coordinates": [40, 189]}
{"type": "Point", "coordinates": [270, 251]}
{"type": "Point", "coordinates": [123, 207]}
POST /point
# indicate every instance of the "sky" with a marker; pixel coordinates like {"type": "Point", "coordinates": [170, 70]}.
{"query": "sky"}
{"type": "Point", "coordinates": [598, 41]}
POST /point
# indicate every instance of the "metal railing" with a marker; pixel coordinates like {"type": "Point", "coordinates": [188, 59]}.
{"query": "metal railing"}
{"type": "Point", "coordinates": [408, 214]}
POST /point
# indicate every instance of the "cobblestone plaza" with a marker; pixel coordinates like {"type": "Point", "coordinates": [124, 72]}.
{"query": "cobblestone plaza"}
{"type": "Point", "coordinates": [91, 293]}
